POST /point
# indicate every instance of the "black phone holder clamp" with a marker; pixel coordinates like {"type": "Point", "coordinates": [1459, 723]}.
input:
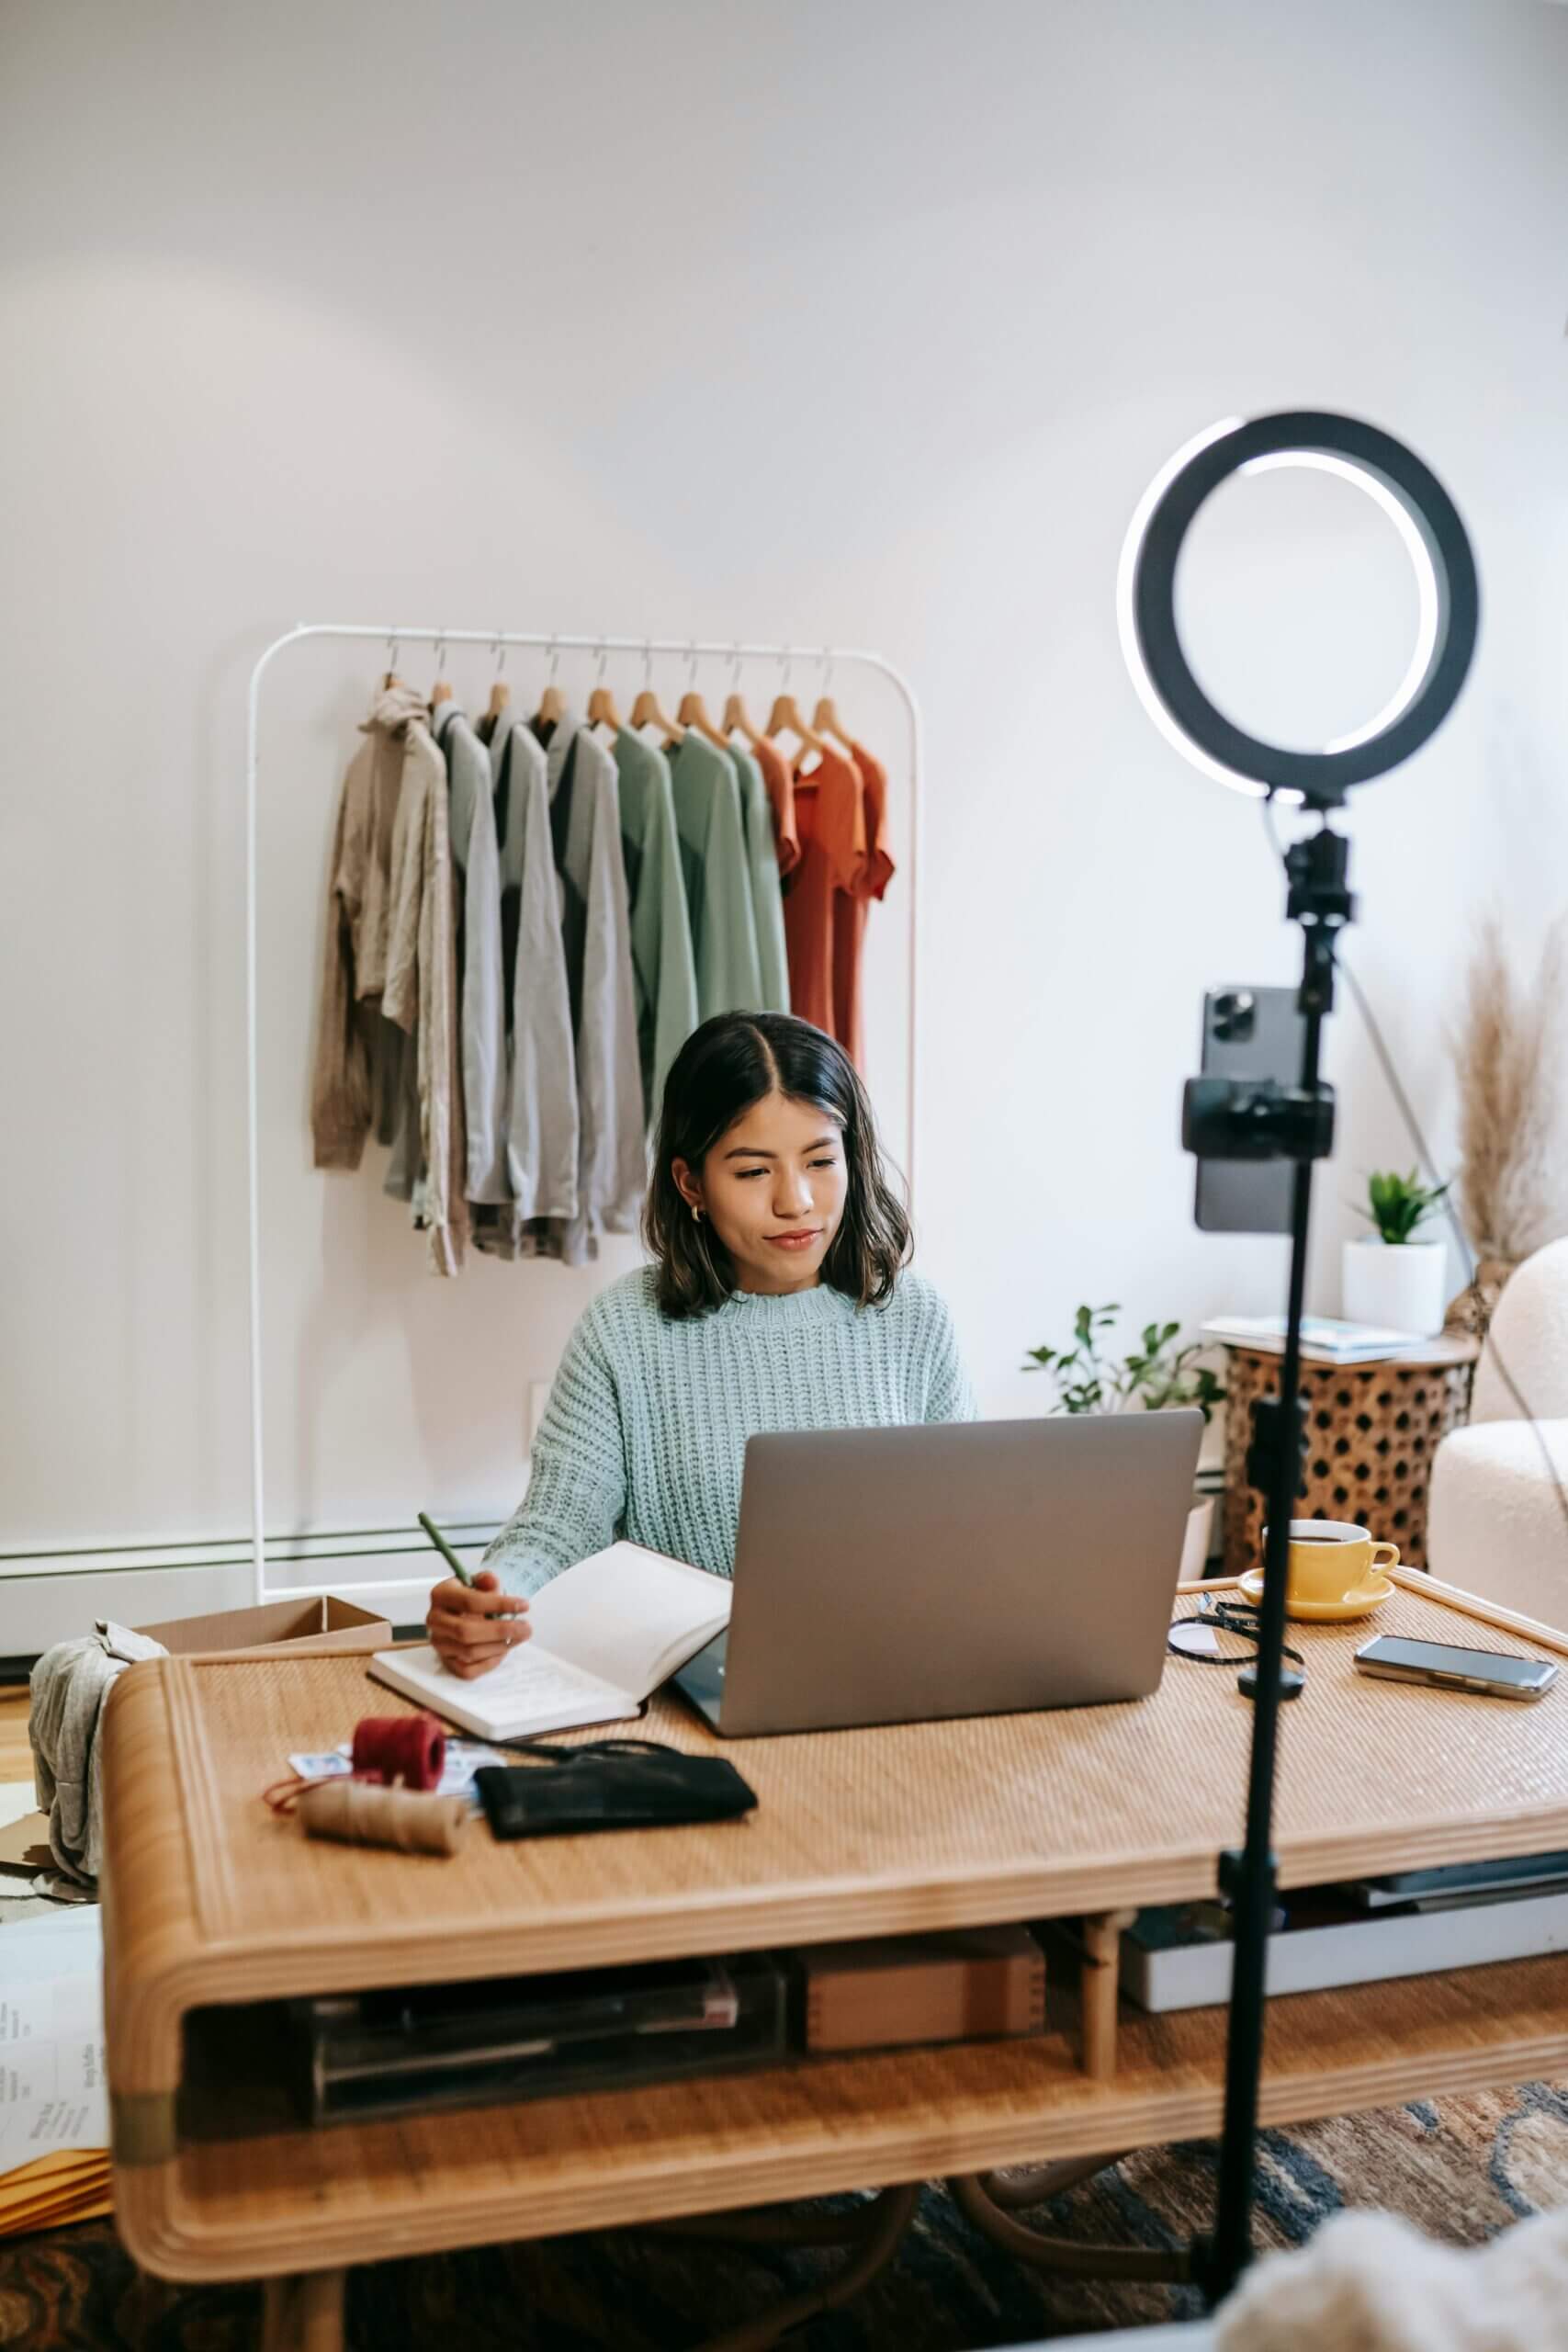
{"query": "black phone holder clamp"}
{"type": "Point", "coordinates": [1258, 1119]}
{"type": "Point", "coordinates": [1255, 1118]}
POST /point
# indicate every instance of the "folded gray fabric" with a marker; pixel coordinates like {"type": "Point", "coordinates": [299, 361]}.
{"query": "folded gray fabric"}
{"type": "Point", "coordinates": [69, 1685]}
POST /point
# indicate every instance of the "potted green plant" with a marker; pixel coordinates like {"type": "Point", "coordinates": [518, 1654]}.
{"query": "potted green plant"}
{"type": "Point", "coordinates": [1089, 1377]}
{"type": "Point", "coordinates": [1395, 1276]}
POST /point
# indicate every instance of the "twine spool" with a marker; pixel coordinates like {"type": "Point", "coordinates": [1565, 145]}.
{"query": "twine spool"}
{"type": "Point", "coordinates": [359, 1814]}
{"type": "Point", "coordinates": [410, 1748]}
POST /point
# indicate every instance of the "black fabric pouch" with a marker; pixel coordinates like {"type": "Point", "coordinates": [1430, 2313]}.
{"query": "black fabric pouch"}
{"type": "Point", "coordinates": [609, 1784]}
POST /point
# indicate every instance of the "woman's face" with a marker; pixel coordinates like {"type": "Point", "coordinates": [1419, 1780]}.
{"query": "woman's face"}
{"type": "Point", "coordinates": [773, 1185]}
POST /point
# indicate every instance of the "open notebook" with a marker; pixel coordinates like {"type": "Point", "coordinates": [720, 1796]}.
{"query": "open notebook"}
{"type": "Point", "coordinates": [607, 1633]}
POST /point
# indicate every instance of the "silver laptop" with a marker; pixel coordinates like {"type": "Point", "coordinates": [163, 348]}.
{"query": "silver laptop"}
{"type": "Point", "coordinates": [969, 1568]}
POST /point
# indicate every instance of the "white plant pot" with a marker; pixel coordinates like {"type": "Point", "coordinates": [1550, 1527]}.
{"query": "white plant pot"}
{"type": "Point", "coordinates": [1400, 1284]}
{"type": "Point", "coordinates": [1195, 1548]}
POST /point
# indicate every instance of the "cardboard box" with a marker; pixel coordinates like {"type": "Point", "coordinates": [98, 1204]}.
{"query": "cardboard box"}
{"type": "Point", "coordinates": [24, 1848]}
{"type": "Point", "coordinates": [277, 1629]}
{"type": "Point", "coordinates": [962, 1985]}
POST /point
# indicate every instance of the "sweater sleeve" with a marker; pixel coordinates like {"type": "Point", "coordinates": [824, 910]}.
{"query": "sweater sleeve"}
{"type": "Point", "coordinates": [949, 1394]}
{"type": "Point", "coordinates": [576, 1501]}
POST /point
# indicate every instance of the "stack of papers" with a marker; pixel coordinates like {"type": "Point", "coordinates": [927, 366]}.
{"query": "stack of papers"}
{"type": "Point", "coordinates": [1324, 1338]}
{"type": "Point", "coordinates": [54, 2190]}
{"type": "Point", "coordinates": [54, 2124]}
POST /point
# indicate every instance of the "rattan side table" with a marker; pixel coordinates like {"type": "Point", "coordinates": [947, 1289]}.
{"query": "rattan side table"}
{"type": "Point", "coordinates": [1372, 1430]}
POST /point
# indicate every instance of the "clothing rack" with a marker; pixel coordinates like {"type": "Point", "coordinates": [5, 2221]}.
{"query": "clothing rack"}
{"type": "Point", "coordinates": [828, 657]}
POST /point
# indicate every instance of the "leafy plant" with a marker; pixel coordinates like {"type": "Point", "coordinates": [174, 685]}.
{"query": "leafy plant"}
{"type": "Point", "coordinates": [1399, 1204]}
{"type": "Point", "coordinates": [1090, 1379]}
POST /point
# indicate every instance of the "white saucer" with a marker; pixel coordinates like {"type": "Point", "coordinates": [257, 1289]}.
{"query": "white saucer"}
{"type": "Point", "coordinates": [1360, 1603]}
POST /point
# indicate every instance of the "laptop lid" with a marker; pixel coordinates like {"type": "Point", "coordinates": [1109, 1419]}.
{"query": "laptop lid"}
{"type": "Point", "coordinates": [966, 1568]}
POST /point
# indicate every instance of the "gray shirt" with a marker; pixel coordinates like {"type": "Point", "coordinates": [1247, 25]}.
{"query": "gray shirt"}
{"type": "Point", "coordinates": [482, 1021]}
{"type": "Point", "coordinates": [541, 1123]}
{"type": "Point", "coordinates": [595, 930]}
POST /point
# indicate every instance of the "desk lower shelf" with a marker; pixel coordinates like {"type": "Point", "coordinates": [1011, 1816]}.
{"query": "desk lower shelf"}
{"type": "Point", "coordinates": [287, 2200]}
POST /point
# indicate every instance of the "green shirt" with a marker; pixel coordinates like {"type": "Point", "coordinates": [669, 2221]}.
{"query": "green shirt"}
{"type": "Point", "coordinates": [663, 963]}
{"type": "Point", "coordinates": [645, 1432]}
{"type": "Point", "coordinates": [717, 878]}
{"type": "Point", "coordinates": [762, 865]}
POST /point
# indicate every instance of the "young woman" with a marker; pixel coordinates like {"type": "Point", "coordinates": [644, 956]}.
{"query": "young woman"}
{"type": "Point", "coordinates": [777, 1300]}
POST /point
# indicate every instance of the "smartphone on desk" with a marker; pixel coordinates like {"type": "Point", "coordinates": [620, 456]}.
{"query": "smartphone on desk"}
{"type": "Point", "coordinates": [1447, 1668]}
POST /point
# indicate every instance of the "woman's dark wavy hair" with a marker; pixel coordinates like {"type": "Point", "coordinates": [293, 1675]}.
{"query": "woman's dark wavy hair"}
{"type": "Point", "coordinates": [724, 1067]}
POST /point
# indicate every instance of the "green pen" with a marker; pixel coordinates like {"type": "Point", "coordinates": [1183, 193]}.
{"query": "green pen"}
{"type": "Point", "coordinates": [463, 1574]}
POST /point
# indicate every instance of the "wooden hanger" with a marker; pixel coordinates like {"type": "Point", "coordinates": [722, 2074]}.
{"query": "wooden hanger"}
{"type": "Point", "coordinates": [826, 720]}
{"type": "Point", "coordinates": [552, 701]}
{"type": "Point", "coordinates": [694, 710]}
{"type": "Point", "coordinates": [391, 678]}
{"type": "Point", "coordinates": [737, 721]}
{"type": "Point", "coordinates": [441, 691]}
{"type": "Point", "coordinates": [737, 718]}
{"type": "Point", "coordinates": [785, 717]}
{"type": "Point", "coordinates": [646, 711]}
{"type": "Point", "coordinates": [602, 711]}
{"type": "Point", "coordinates": [500, 692]}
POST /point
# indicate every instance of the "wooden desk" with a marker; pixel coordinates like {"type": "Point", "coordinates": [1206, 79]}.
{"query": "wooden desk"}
{"type": "Point", "coordinates": [212, 1904]}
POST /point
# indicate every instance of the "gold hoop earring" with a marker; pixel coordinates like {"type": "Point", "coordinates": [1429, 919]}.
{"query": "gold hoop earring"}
{"type": "Point", "coordinates": [696, 1213]}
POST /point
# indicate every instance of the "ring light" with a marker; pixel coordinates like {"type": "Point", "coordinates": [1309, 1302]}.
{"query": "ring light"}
{"type": "Point", "coordinates": [1447, 601]}
{"type": "Point", "coordinates": [1238, 1119]}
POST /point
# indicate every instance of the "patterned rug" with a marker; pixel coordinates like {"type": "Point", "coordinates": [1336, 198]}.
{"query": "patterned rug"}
{"type": "Point", "coordinates": [1461, 2168]}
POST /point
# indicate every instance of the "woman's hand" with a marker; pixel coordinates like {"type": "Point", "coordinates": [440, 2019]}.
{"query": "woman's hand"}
{"type": "Point", "coordinates": [473, 1628]}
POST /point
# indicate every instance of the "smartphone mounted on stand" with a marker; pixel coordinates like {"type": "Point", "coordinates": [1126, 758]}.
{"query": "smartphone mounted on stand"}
{"type": "Point", "coordinates": [1249, 1035]}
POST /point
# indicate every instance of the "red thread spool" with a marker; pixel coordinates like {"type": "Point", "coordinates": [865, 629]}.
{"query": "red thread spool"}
{"type": "Point", "coordinates": [410, 1748]}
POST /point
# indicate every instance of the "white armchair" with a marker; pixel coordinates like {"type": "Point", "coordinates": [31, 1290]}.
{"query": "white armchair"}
{"type": "Point", "coordinates": [1494, 1521]}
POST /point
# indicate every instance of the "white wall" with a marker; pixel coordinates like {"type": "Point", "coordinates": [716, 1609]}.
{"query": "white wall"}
{"type": "Point", "coordinates": [855, 322]}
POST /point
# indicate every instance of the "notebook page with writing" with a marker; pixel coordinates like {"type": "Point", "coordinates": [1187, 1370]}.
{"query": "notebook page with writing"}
{"type": "Point", "coordinates": [629, 1616]}
{"type": "Point", "coordinates": [604, 1634]}
{"type": "Point", "coordinates": [531, 1690]}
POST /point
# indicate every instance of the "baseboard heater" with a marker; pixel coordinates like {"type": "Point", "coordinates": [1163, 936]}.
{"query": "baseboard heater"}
{"type": "Point", "coordinates": [54, 1596]}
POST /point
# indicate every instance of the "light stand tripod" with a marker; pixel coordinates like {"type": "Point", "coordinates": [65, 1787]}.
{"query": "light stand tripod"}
{"type": "Point", "coordinates": [1227, 1121]}
{"type": "Point", "coordinates": [1232, 1119]}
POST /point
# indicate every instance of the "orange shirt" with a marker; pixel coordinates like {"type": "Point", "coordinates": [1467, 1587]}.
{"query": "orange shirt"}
{"type": "Point", "coordinates": [777, 776]}
{"type": "Point", "coordinates": [850, 913]}
{"type": "Point", "coordinates": [830, 814]}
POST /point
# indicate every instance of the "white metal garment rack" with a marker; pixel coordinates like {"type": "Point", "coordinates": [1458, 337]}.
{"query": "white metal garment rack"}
{"type": "Point", "coordinates": [694, 649]}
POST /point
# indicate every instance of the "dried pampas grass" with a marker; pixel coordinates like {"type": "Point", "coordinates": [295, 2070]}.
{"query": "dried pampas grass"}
{"type": "Point", "coordinates": [1511, 1056]}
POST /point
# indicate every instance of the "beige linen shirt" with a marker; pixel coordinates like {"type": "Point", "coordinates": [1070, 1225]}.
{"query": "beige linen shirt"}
{"type": "Point", "coordinates": [420, 993]}
{"type": "Point", "coordinates": [355, 1071]}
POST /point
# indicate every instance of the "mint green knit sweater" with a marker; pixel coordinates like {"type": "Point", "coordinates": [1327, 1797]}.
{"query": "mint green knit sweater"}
{"type": "Point", "coordinates": [647, 1420]}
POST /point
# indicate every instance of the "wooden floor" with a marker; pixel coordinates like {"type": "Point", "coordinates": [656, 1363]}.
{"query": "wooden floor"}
{"type": "Point", "coordinates": [15, 1755]}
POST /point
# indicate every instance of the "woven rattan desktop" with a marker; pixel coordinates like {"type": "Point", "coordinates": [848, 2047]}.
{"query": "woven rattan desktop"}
{"type": "Point", "coordinates": [211, 1900]}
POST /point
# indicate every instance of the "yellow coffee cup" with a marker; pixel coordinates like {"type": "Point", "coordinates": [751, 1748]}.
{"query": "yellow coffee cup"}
{"type": "Point", "coordinates": [1329, 1560]}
